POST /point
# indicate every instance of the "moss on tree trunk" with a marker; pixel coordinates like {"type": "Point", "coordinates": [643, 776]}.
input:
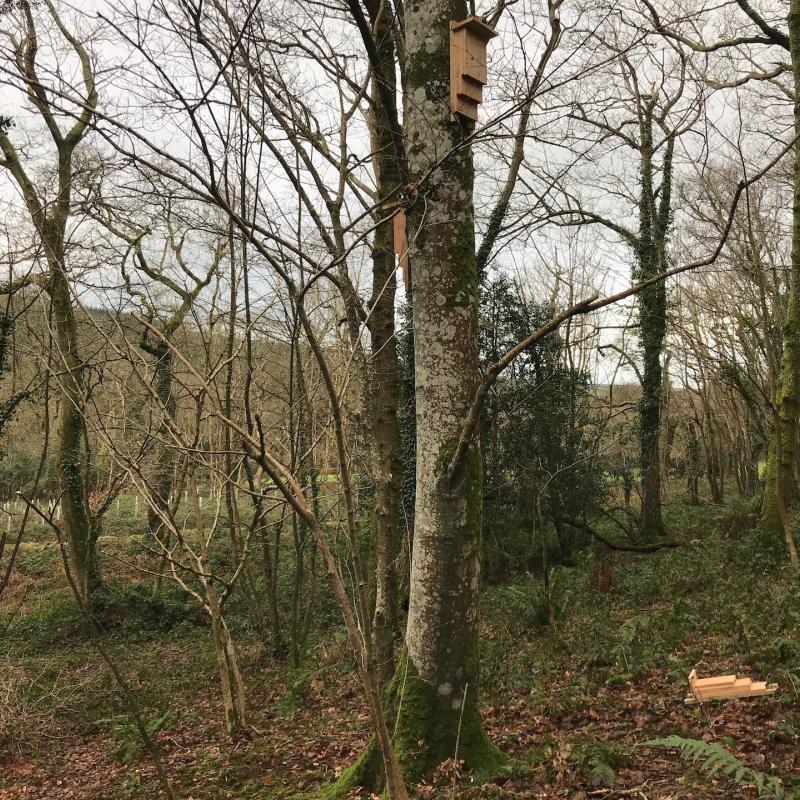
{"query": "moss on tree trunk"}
{"type": "Point", "coordinates": [383, 376]}
{"type": "Point", "coordinates": [433, 726]}
{"type": "Point", "coordinates": [436, 686]}
{"type": "Point", "coordinates": [429, 727]}
{"type": "Point", "coordinates": [432, 701]}
{"type": "Point", "coordinates": [787, 399]}
{"type": "Point", "coordinates": [72, 465]}
{"type": "Point", "coordinates": [651, 259]}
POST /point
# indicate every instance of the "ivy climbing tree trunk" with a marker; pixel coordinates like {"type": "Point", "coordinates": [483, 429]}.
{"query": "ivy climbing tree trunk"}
{"type": "Point", "coordinates": [72, 459]}
{"type": "Point", "coordinates": [692, 464]}
{"type": "Point", "coordinates": [437, 680]}
{"type": "Point", "coordinates": [50, 218]}
{"type": "Point", "coordinates": [654, 216]}
{"type": "Point", "coordinates": [787, 401]}
{"type": "Point", "coordinates": [654, 146]}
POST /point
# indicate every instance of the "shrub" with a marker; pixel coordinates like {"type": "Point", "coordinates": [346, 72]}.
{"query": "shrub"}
{"type": "Point", "coordinates": [126, 733]}
{"type": "Point", "coordinates": [134, 608]}
{"type": "Point", "coordinates": [295, 694]}
{"type": "Point", "coordinates": [599, 762]}
{"type": "Point", "coordinates": [30, 707]}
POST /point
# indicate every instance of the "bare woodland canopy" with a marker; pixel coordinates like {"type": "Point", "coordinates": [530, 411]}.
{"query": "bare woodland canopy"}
{"type": "Point", "coordinates": [203, 315]}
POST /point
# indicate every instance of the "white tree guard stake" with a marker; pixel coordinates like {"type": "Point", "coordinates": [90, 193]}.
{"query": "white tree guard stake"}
{"type": "Point", "coordinates": [726, 687]}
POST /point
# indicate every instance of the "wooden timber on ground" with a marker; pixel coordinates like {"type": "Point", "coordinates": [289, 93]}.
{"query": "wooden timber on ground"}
{"type": "Point", "coordinates": [726, 687]}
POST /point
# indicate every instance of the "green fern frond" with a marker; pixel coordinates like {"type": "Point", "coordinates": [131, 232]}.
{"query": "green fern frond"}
{"type": "Point", "coordinates": [714, 759]}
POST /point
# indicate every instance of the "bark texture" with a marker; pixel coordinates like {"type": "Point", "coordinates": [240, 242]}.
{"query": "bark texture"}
{"type": "Point", "coordinates": [72, 465]}
{"type": "Point", "coordinates": [654, 215]}
{"type": "Point", "coordinates": [779, 473]}
{"type": "Point", "coordinates": [436, 685]}
{"type": "Point", "coordinates": [161, 481]}
{"type": "Point", "coordinates": [383, 373]}
{"type": "Point", "coordinates": [50, 218]}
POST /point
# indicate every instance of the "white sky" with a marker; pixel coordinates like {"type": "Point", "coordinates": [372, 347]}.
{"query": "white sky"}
{"type": "Point", "coordinates": [133, 90]}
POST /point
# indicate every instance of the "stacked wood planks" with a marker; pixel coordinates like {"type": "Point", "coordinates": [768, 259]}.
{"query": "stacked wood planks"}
{"type": "Point", "coordinates": [725, 687]}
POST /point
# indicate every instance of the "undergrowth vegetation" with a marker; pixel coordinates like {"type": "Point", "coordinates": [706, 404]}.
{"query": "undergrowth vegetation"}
{"type": "Point", "coordinates": [713, 759]}
{"type": "Point", "coordinates": [714, 594]}
{"type": "Point", "coordinates": [602, 629]}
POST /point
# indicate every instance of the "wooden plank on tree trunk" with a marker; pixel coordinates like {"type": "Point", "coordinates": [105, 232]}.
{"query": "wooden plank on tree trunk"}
{"type": "Point", "coordinates": [401, 244]}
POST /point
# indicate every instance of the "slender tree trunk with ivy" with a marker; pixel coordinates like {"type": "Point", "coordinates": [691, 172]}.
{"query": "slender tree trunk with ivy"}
{"type": "Point", "coordinates": [161, 483]}
{"type": "Point", "coordinates": [50, 218]}
{"type": "Point", "coordinates": [649, 243]}
{"type": "Point", "coordinates": [407, 419]}
{"type": "Point", "coordinates": [383, 373]}
{"type": "Point", "coordinates": [9, 548]}
{"type": "Point", "coordinates": [787, 400]}
{"type": "Point", "coordinates": [654, 218]}
{"type": "Point", "coordinates": [72, 465]}
{"type": "Point", "coordinates": [9, 405]}
{"type": "Point", "coordinates": [692, 464]}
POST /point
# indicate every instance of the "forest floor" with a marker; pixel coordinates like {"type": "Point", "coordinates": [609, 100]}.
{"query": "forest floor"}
{"type": "Point", "coordinates": [573, 702]}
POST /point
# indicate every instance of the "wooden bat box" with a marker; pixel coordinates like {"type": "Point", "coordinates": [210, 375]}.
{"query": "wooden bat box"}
{"type": "Point", "coordinates": [468, 75]}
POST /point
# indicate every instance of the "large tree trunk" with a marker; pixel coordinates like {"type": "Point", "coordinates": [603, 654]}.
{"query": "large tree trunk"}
{"type": "Point", "coordinates": [788, 389]}
{"type": "Point", "coordinates": [438, 678]}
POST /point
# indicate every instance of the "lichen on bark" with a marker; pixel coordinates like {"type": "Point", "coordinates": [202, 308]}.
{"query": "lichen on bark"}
{"type": "Point", "coordinates": [437, 682]}
{"type": "Point", "coordinates": [432, 702]}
